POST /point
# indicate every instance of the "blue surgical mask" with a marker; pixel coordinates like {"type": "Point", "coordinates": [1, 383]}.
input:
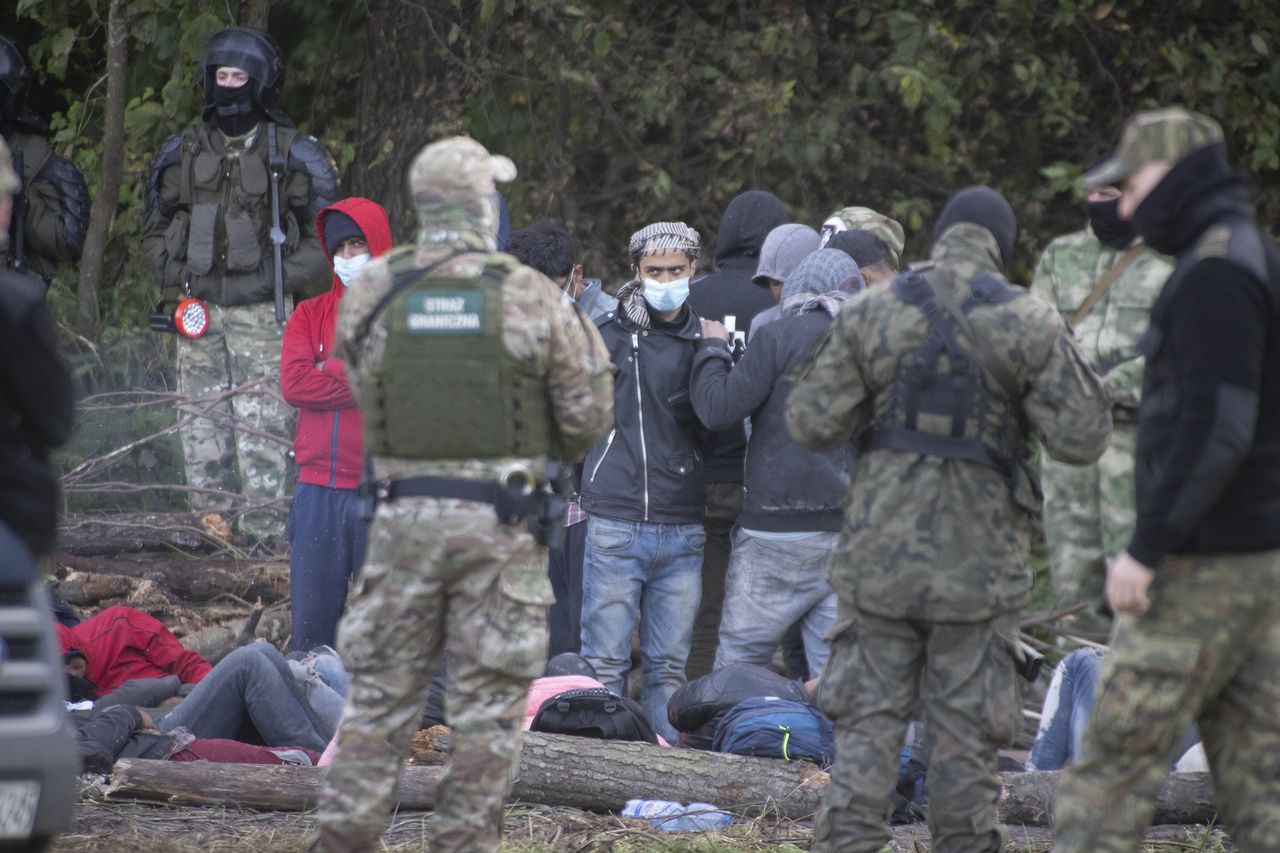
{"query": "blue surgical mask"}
{"type": "Point", "coordinates": [348, 268]}
{"type": "Point", "coordinates": [666, 296]}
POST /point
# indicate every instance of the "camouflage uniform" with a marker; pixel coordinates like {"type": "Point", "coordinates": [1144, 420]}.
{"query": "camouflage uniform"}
{"type": "Point", "coordinates": [1207, 649]}
{"type": "Point", "coordinates": [932, 567]}
{"type": "Point", "coordinates": [444, 575]}
{"type": "Point", "coordinates": [206, 235]}
{"type": "Point", "coordinates": [1088, 514]}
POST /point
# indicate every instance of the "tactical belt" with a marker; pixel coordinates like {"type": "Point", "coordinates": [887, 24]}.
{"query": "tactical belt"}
{"type": "Point", "coordinates": [513, 501]}
{"type": "Point", "coordinates": [930, 444]}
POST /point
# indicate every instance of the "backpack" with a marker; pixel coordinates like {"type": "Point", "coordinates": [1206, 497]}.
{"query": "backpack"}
{"type": "Point", "coordinates": [696, 708]}
{"type": "Point", "coordinates": [769, 727]}
{"type": "Point", "coordinates": [594, 712]}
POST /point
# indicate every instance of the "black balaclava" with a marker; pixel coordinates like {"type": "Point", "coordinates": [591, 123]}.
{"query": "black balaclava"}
{"type": "Point", "coordinates": [233, 110]}
{"type": "Point", "coordinates": [984, 207]}
{"type": "Point", "coordinates": [1104, 219]}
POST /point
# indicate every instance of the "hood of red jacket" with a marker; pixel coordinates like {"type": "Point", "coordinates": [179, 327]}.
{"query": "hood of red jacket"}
{"type": "Point", "coordinates": [372, 219]}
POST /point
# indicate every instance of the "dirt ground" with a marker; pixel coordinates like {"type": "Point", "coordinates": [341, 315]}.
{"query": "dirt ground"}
{"type": "Point", "coordinates": [114, 826]}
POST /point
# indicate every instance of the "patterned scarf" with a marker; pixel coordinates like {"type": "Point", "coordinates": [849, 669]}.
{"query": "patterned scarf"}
{"type": "Point", "coordinates": [631, 301]}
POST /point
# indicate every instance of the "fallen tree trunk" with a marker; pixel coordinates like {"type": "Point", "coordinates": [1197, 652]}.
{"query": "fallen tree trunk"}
{"type": "Point", "coordinates": [88, 581]}
{"type": "Point", "coordinates": [1028, 798]}
{"type": "Point", "coordinates": [142, 531]}
{"type": "Point", "coordinates": [558, 770]}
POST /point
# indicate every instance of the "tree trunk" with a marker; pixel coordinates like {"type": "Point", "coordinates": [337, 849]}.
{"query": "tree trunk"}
{"type": "Point", "coordinates": [255, 13]}
{"type": "Point", "coordinates": [130, 532]}
{"type": "Point", "coordinates": [558, 770]}
{"type": "Point", "coordinates": [414, 86]}
{"type": "Point", "coordinates": [195, 582]}
{"type": "Point", "coordinates": [1028, 798]}
{"type": "Point", "coordinates": [107, 193]}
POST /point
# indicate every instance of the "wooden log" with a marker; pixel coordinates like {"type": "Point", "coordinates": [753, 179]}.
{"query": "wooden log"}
{"type": "Point", "coordinates": [601, 776]}
{"type": "Point", "coordinates": [194, 582]}
{"type": "Point", "coordinates": [1028, 798]}
{"type": "Point", "coordinates": [138, 531]}
{"type": "Point", "coordinates": [554, 770]}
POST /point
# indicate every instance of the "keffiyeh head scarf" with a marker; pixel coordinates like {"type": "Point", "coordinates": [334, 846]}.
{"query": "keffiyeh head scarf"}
{"type": "Point", "coordinates": [653, 239]}
{"type": "Point", "coordinates": [821, 281]}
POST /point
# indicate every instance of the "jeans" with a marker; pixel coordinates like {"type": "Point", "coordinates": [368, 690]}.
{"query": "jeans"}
{"type": "Point", "coordinates": [655, 569]}
{"type": "Point", "coordinates": [327, 541]}
{"type": "Point", "coordinates": [1066, 711]}
{"type": "Point", "coordinates": [772, 584]}
{"type": "Point", "coordinates": [251, 689]}
{"type": "Point", "coordinates": [564, 619]}
{"type": "Point", "coordinates": [724, 502]}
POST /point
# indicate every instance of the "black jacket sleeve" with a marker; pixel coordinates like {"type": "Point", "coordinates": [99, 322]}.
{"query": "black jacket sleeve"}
{"type": "Point", "coordinates": [723, 393]}
{"type": "Point", "coordinates": [1214, 341]}
{"type": "Point", "coordinates": [38, 395]}
{"type": "Point", "coordinates": [103, 736]}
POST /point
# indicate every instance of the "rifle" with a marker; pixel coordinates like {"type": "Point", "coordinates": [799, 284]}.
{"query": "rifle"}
{"type": "Point", "coordinates": [19, 226]}
{"type": "Point", "coordinates": [276, 164]}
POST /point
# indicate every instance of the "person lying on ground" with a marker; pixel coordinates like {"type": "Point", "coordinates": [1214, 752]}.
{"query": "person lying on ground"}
{"type": "Point", "coordinates": [121, 643]}
{"type": "Point", "coordinates": [1066, 711]}
{"type": "Point", "coordinates": [256, 695]}
{"type": "Point", "coordinates": [124, 731]}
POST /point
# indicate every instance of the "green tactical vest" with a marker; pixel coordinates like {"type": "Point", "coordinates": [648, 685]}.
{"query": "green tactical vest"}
{"type": "Point", "coordinates": [446, 388]}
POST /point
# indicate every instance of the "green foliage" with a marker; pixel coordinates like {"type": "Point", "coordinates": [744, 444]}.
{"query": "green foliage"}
{"type": "Point", "coordinates": [621, 113]}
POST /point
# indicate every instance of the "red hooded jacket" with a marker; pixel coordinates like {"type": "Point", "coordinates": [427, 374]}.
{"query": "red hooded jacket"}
{"type": "Point", "coordinates": [329, 444]}
{"type": "Point", "coordinates": [121, 643]}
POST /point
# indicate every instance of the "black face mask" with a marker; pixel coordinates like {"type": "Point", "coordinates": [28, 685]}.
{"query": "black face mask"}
{"type": "Point", "coordinates": [1106, 223]}
{"type": "Point", "coordinates": [234, 112]}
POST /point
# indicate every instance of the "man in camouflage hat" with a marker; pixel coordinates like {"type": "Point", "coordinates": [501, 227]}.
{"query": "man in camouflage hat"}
{"type": "Point", "coordinates": [946, 374]}
{"type": "Point", "coordinates": [513, 374]}
{"type": "Point", "coordinates": [1197, 589]}
{"type": "Point", "coordinates": [1103, 280]}
{"type": "Point", "coordinates": [866, 219]}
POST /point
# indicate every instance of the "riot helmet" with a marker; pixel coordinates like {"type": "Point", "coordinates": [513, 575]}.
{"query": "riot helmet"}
{"type": "Point", "coordinates": [249, 49]}
{"type": "Point", "coordinates": [15, 79]}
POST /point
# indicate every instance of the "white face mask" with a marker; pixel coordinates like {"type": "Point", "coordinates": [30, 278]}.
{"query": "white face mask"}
{"type": "Point", "coordinates": [348, 268]}
{"type": "Point", "coordinates": [666, 296]}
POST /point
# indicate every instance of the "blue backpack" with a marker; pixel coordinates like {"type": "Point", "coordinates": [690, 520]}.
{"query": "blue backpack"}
{"type": "Point", "coordinates": [770, 727]}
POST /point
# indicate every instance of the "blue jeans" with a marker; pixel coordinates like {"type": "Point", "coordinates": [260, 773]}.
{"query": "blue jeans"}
{"type": "Point", "coordinates": [327, 541]}
{"type": "Point", "coordinates": [1066, 711]}
{"type": "Point", "coordinates": [655, 569]}
{"type": "Point", "coordinates": [248, 690]}
{"type": "Point", "coordinates": [773, 584]}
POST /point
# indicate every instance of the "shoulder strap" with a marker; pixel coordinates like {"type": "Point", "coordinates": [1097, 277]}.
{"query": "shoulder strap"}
{"type": "Point", "coordinates": [993, 368]}
{"type": "Point", "coordinates": [1104, 284]}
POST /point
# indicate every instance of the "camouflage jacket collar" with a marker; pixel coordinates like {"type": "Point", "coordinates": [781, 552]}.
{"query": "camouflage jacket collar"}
{"type": "Point", "coordinates": [968, 249]}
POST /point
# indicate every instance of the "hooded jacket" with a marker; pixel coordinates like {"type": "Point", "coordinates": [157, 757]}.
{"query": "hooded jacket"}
{"type": "Point", "coordinates": [121, 643]}
{"type": "Point", "coordinates": [329, 443]}
{"type": "Point", "coordinates": [649, 466]}
{"type": "Point", "coordinates": [789, 488]}
{"type": "Point", "coordinates": [730, 292]}
{"type": "Point", "coordinates": [1208, 452]}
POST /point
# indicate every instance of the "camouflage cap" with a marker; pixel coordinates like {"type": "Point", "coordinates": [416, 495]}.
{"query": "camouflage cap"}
{"type": "Point", "coordinates": [1152, 136]}
{"type": "Point", "coordinates": [457, 169]}
{"type": "Point", "coordinates": [866, 219]}
{"type": "Point", "coordinates": [8, 178]}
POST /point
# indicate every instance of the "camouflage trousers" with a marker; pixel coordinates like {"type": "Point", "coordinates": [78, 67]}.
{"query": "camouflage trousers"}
{"type": "Point", "coordinates": [441, 576]}
{"type": "Point", "coordinates": [964, 683]}
{"type": "Point", "coordinates": [1088, 518]}
{"type": "Point", "coordinates": [1207, 651]}
{"type": "Point", "coordinates": [238, 444]}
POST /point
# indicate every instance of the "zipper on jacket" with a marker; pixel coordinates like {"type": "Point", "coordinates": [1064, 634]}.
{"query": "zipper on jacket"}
{"type": "Point", "coordinates": [608, 444]}
{"type": "Point", "coordinates": [644, 450]}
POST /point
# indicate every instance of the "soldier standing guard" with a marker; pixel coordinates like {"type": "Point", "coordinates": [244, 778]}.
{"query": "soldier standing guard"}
{"type": "Point", "coordinates": [946, 373]}
{"type": "Point", "coordinates": [231, 213]}
{"type": "Point", "coordinates": [514, 374]}
{"type": "Point", "coordinates": [51, 203]}
{"type": "Point", "coordinates": [1197, 589]}
{"type": "Point", "coordinates": [1103, 280]}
